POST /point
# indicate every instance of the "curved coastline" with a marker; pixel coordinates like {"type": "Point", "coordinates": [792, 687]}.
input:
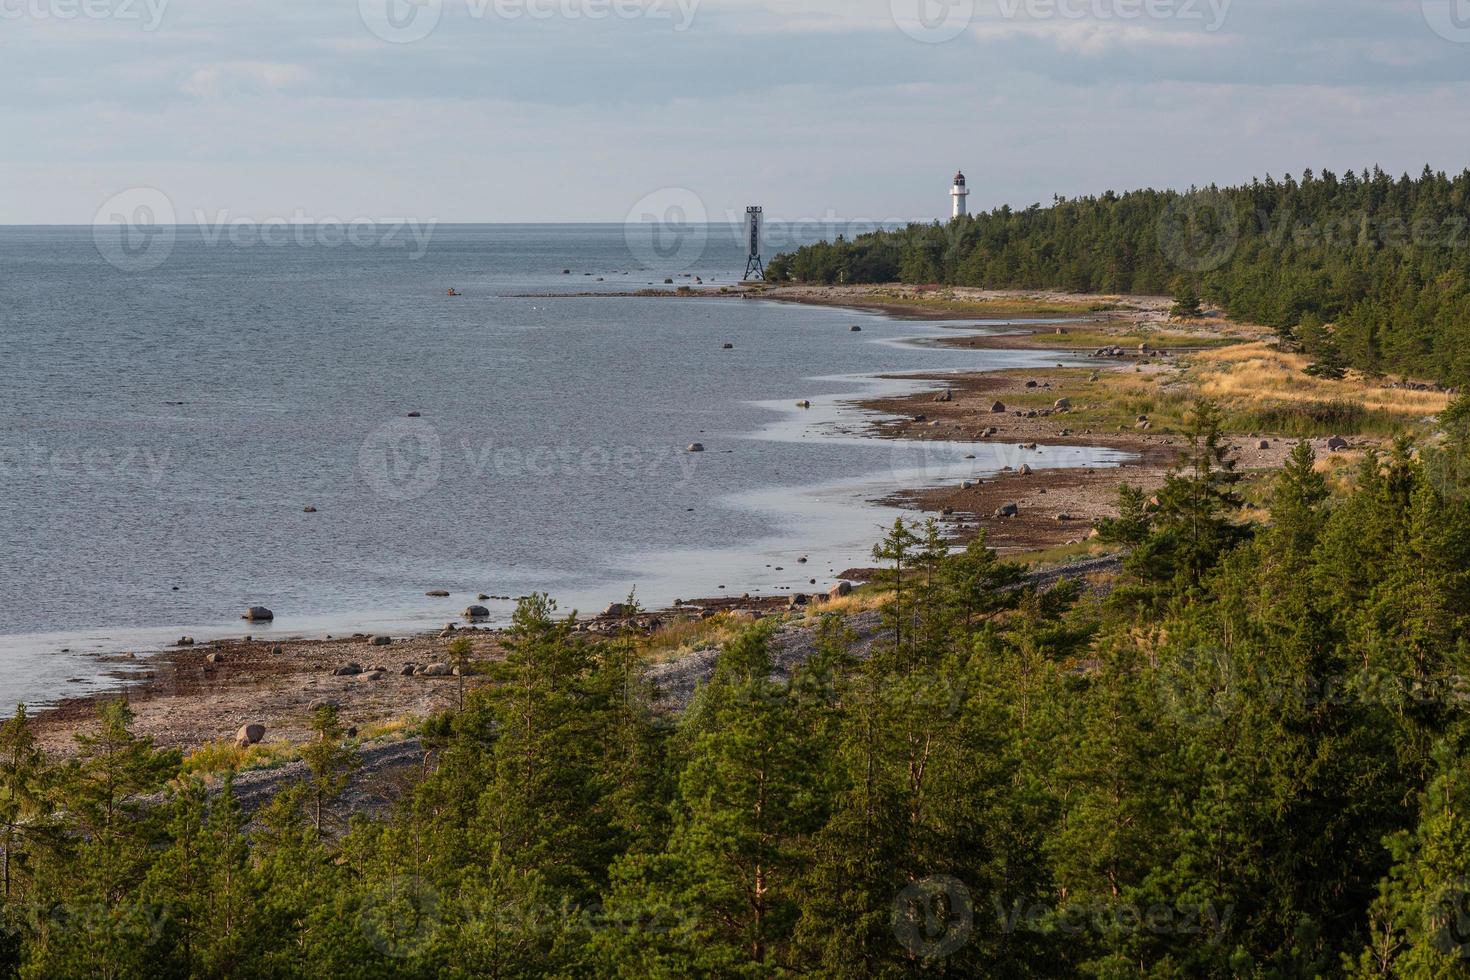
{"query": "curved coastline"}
{"type": "Point", "coordinates": [836, 519]}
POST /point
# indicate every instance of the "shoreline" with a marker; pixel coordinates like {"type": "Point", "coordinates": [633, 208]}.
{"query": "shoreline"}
{"type": "Point", "coordinates": [184, 700]}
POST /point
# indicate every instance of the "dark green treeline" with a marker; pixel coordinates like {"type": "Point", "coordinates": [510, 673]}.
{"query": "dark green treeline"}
{"type": "Point", "coordinates": [1385, 261]}
{"type": "Point", "coordinates": [1249, 760]}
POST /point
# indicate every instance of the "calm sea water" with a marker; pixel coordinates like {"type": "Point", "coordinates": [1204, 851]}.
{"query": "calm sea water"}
{"type": "Point", "coordinates": [166, 428]}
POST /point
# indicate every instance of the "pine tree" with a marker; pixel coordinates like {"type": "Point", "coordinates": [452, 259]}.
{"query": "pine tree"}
{"type": "Point", "coordinates": [330, 762]}
{"type": "Point", "coordinates": [745, 802]}
{"type": "Point", "coordinates": [23, 804]}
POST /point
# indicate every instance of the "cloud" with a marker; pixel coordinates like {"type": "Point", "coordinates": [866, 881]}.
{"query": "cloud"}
{"type": "Point", "coordinates": [1094, 38]}
{"type": "Point", "coordinates": [235, 78]}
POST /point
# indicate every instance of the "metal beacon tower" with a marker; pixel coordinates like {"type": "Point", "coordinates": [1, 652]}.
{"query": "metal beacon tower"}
{"type": "Point", "coordinates": [755, 269]}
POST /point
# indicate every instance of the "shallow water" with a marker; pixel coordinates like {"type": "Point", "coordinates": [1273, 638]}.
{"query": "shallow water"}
{"type": "Point", "coordinates": [167, 429]}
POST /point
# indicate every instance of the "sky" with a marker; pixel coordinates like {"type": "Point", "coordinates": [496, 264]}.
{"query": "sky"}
{"type": "Point", "coordinates": [603, 110]}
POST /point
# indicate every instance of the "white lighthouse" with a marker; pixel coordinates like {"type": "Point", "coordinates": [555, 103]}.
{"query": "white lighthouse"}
{"type": "Point", "coordinates": [960, 193]}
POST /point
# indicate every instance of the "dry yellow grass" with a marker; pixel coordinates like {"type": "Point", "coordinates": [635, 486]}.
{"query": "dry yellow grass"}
{"type": "Point", "coordinates": [1260, 373]}
{"type": "Point", "coordinates": [403, 724]}
{"type": "Point", "coordinates": [685, 636]}
{"type": "Point", "coordinates": [225, 756]}
{"type": "Point", "coordinates": [863, 600]}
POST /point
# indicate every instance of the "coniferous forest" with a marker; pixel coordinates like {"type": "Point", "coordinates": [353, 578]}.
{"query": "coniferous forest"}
{"type": "Point", "coordinates": [1365, 267]}
{"type": "Point", "coordinates": [1249, 759]}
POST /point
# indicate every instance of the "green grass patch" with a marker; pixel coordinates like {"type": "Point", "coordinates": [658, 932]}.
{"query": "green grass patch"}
{"type": "Point", "coordinates": [1061, 554]}
{"type": "Point", "coordinates": [1091, 338]}
{"type": "Point", "coordinates": [1116, 399]}
{"type": "Point", "coordinates": [989, 308]}
{"type": "Point", "coordinates": [1321, 418]}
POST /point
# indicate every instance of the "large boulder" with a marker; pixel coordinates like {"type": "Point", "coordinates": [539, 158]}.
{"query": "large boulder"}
{"type": "Point", "coordinates": [438, 670]}
{"type": "Point", "coordinates": [380, 641]}
{"type": "Point", "coordinates": [839, 590]}
{"type": "Point", "coordinates": [477, 612]}
{"type": "Point", "coordinates": [1007, 510]}
{"type": "Point", "coordinates": [348, 670]}
{"type": "Point", "coordinates": [1337, 444]}
{"type": "Point", "coordinates": [998, 407]}
{"type": "Point", "coordinates": [249, 735]}
{"type": "Point", "coordinates": [258, 614]}
{"type": "Point", "coordinates": [617, 610]}
{"type": "Point", "coordinates": [1062, 403]}
{"type": "Point", "coordinates": [696, 447]}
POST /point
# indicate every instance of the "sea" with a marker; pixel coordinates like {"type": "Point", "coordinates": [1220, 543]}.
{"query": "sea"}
{"type": "Point", "coordinates": [200, 420]}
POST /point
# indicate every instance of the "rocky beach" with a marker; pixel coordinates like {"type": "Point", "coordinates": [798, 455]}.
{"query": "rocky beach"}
{"type": "Point", "coordinates": [193, 696]}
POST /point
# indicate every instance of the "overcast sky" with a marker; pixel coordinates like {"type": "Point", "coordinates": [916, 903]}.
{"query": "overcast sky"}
{"type": "Point", "coordinates": [578, 110]}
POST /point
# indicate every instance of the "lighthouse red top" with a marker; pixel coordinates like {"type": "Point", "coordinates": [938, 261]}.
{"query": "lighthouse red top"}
{"type": "Point", "coordinates": [959, 178]}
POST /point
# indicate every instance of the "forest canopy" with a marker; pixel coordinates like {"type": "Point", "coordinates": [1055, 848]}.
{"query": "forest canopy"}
{"type": "Point", "coordinates": [1362, 266]}
{"type": "Point", "coordinates": [1247, 760]}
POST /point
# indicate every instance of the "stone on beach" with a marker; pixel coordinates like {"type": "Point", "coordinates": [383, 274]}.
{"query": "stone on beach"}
{"type": "Point", "coordinates": [438, 670]}
{"type": "Point", "coordinates": [348, 670]}
{"type": "Point", "coordinates": [258, 614]}
{"type": "Point", "coordinates": [998, 407]}
{"type": "Point", "coordinates": [380, 641]}
{"type": "Point", "coordinates": [839, 590]}
{"type": "Point", "coordinates": [249, 735]}
{"type": "Point", "coordinates": [1007, 510]}
{"type": "Point", "coordinates": [1337, 444]}
{"type": "Point", "coordinates": [215, 658]}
